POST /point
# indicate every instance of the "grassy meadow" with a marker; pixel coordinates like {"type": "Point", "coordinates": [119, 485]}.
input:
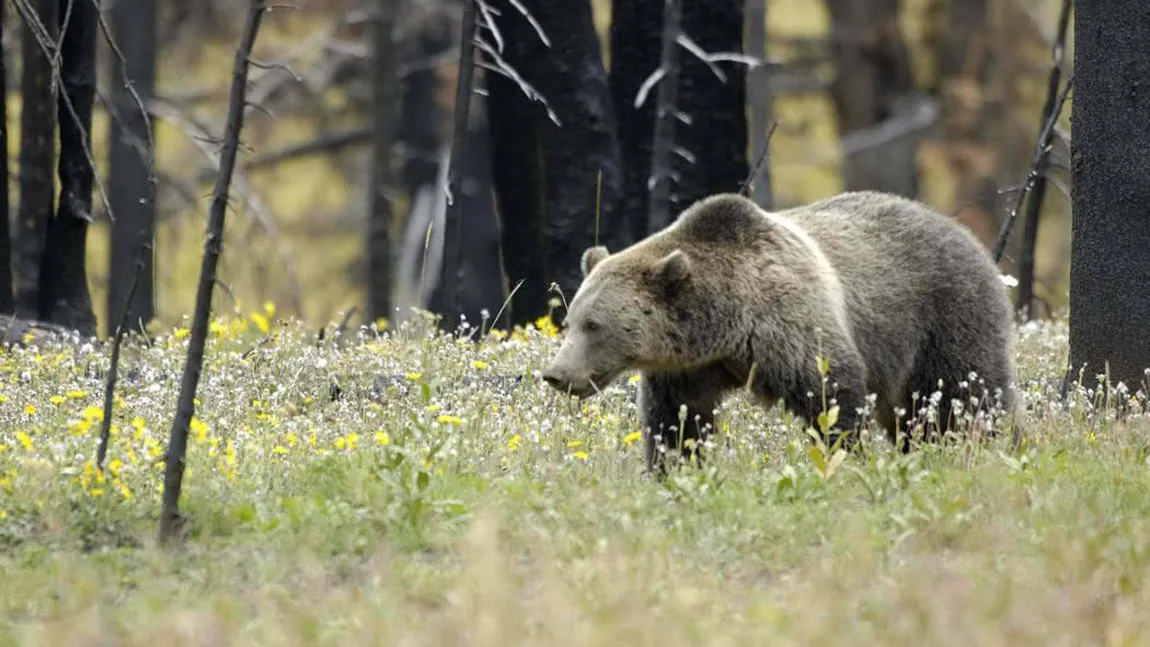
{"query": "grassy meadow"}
{"type": "Point", "coordinates": [399, 488]}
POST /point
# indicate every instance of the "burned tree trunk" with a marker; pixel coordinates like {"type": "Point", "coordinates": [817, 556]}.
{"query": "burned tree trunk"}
{"type": "Point", "coordinates": [873, 83]}
{"type": "Point", "coordinates": [1109, 272]}
{"type": "Point", "coordinates": [172, 523]}
{"type": "Point", "coordinates": [711, 145]}
{"type": "Point", "coordinates": [7, 302]}
{"type": "Point", "coordinates": [384, 114]}
{"type": "Point", "coordinates": [37, 153]}
{"type": "Point", "coordinates": [759, 95]}
{"type": "Point", "coordinates": [131, 154]}
{"type": "Point", "coordinates": [64, 296]}
{"type": "Point", "coordinates": [557, 185]}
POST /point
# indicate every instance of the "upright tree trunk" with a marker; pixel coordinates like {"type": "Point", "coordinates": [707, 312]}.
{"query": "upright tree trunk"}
{"type": "Point", "coordinates": [37, 154]}
{"type": "Point", "coordinates": [64, 296]}
{"type": "Point", "coordinates": [872, 81]}
{"type": "Point", "coordinates": [421, 116]}
{"type": "Point", "coordinates": [132, 178]}
{"type": "Point", "coordinates": [384, 114]}
{"type": "Point", "coordinates": [548, 176]}
{"type": "Point", "coordinates": [1109, 266]}
{"type": "Point", "coordinates": [480, 261]}
{"type": "Point", "coordinates": [7, 302]}
{"type": "Point", "coordinates": [711, 149]}
{"type": "Point", "coordinates": [759, 95]}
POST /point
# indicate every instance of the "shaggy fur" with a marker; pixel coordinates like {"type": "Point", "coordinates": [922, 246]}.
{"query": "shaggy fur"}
{"type": "Point", "coordinates": [897, 296]}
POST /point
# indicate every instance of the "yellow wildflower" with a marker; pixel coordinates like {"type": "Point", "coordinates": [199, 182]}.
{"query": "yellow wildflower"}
{"type": "Point", "coordinates": [414, 376]}
{"type": "Point", "coordinates": [479, 365]}
{"type": "Point", "coordinates": [180, 333]}
{"type": "Point", "coordinates": [513, 444]}
{"type": "Point", "coordinates": [76, 395]}
{"type": "Point", "coordinates": [632, 437]}
{"type": "Point", "coordinates": [57, 399]}
{"type": "Point", "coordinates": [450, 420]}
{"type": "Point", "coordinates": [30, 409]}
{"type": "Point", "coordinates": [381, 438]}
{"type": "Point", "coordinates": [260, 321]}
{"type": "Point", "coordinates": [574, 443]}
{"type": "Point", "coordinates": [580, 456]}
{"type": "Point", "coordinates": [24, 439]}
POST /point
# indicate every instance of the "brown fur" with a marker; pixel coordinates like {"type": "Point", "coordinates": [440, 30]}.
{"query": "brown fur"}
{"type": "Point", "coordinates": [896, 295]}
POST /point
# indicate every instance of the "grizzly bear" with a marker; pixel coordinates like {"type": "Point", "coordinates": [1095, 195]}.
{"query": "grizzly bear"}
{"type": "Point", "coordinates": [902, 300]}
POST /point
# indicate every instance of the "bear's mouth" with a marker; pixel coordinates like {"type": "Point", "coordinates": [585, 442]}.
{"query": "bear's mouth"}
{"type": "Point", "coordinates": [583, 389]}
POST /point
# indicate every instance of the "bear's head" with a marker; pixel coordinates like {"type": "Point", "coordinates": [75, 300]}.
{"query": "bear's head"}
{"type": "Point", "coordinates": [622, 317]}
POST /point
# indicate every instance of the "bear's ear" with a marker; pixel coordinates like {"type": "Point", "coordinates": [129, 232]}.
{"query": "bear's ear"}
{"type": "Point", "coordinates": [592, 257]}
{"type": "Point", "coordinates": [673, 269]}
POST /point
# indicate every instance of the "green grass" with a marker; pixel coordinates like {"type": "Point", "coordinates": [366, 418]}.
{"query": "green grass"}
{"type": "Point", "coordinates": [437, 501]}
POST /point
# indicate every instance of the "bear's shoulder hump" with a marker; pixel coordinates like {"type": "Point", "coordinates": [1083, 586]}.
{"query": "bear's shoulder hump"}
{"type": "Point", "coordinates": [720, 217]}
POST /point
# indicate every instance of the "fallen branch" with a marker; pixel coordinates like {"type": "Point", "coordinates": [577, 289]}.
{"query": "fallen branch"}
{"type": "Point", "coordinates": [171, 521]}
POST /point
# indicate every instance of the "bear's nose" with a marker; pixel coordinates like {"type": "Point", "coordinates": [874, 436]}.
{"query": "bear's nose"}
{"type": "Point", "coordinates": [554, 379]}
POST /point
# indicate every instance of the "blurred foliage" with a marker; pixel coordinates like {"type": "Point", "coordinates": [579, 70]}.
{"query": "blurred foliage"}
{"type": "Point", "coordinates": [302, 247]}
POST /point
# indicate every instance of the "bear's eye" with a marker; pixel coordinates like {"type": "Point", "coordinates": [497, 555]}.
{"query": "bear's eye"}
{"type": "Point", "coordinates": [590, 326]}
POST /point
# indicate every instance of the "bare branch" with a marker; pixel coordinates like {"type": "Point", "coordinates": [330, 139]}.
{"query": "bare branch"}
{"type": "Point", "coordinates": [503, 68]}
{"type": "Point", "coordinates": [531, 19]}
{"type": "Point", "coordinates": [1032, 174]}
{"type": "Point", "coordinates": [685, 41]}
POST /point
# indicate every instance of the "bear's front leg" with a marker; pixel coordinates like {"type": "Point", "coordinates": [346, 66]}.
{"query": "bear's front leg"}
{"type": "Point", "coordinates": [666, 425]}
{"type": "Point", "coordinates": [845, 385]}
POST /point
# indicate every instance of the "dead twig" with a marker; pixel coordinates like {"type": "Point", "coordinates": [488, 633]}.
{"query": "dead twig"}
{"type": "Point", "coordinates": [1032, 174]}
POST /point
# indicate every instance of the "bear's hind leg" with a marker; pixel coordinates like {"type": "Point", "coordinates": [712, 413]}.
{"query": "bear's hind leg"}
{"type": "Point", "coordinates": [662, 396]}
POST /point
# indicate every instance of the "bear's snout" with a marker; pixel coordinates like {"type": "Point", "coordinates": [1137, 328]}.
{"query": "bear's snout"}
{"type": "Point", "coordinates": [564, 382]}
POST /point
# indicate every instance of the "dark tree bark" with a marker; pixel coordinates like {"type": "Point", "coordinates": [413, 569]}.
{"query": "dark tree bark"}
{"type": "Point", "coordinates": [872, 82]}
{"type": "Point", "coordinates": [759, 95]}
{"type": "Point", "coordinates": [715, 139]}
{"type": "Point", "coordinates": [461, 120]}
{"type": "Point", "coordinates": [37, 155]}
{"type": "Point", "coordinates": [1109, 266]}
{"type": "Point", "coordinates": [546, 176]}
{"type": "Point", "coordinates": [132, 180]}
{"type": "Point", "coordinates": [64, 296]}
{"type": "Point", "coordinates": [7, 302]}
{"type": "Point", "coordinates": [384, 114]}
{"type": "Point", "coordinates": [480, 263]}
{"type": "Point", "coordinates": [420, 116]}
{"type": "Point", "coordinates": [666, 116]}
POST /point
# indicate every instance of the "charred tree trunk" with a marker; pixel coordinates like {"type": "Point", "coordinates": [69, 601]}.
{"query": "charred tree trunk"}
{"type": "Point", "coordinates": [420, 116]}
{"type": "Point", "coordinates": [759, 95]}
{"type": "Point", "coordinates": [548, 176]}
{"type": "Point", "coordinates": [711, 147]}
{"type": "Point", "coordinates": [172, 522]}
{"type": "Point", "coordinates": [872, 84]}
{"type": "Point", "coordinates": [37, 154]}
{"type": "Point", "coordinates": [1109, 271]}
{"type": "Point", "coordinates": [7, 302]}
{"type": "Point", "coordinates": [132, 178]}
{"type": "Point", "coordinates": [384, 115]}
{"type": "Point", "coordinates": [480, 263]}
{"type": "Point", "coordinates": [64, 296]}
